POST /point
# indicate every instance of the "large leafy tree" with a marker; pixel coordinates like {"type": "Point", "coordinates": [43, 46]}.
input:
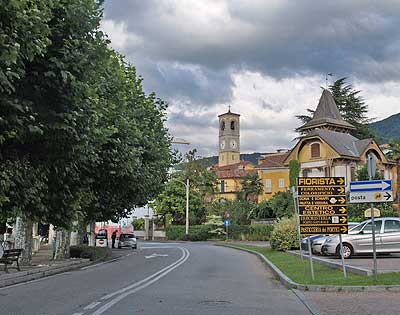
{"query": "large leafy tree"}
{"type": "Point", "coordinates": [78, 136]}
{"type": "Point", "coordinates": [251, 187]}
{"type": "Point", "coordinates": [202, 184]}
{"type": "Point", "coordinates": [351, 106]}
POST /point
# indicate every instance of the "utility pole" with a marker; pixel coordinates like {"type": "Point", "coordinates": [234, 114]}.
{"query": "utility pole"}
{"type": "Point", "coordinates": [187, 206]}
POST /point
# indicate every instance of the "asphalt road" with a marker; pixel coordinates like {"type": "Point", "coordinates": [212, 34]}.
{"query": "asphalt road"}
{"type": "Point", "coordinates": [159, 279]}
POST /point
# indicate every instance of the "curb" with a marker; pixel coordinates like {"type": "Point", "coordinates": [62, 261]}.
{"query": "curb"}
{"type": "Point", "coordinates": [41, 272]}
{"type": "Point", "coordinates": [285, 280]}
{"type": "Point", "coordinates": [336, 265]}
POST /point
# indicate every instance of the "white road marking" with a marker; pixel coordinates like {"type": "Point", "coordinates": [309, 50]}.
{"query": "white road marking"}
{"type": "Point", "coordinates": [146, 279]}
{"type": "Point", "coordinates": [155, 255]}
{"type": "Point", "coordinates": [91, 305]}
{"type": "Point", "coordinates": [77, 314]}
{"type": "Point", "coordinates": [123, 293]}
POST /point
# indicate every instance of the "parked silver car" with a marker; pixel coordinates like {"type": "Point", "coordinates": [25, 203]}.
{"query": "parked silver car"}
{"type": "Point", "coordinates": [127, 240]}
{"type": "Point", "coordinates": [319, 242]}
{"type": "Point", "coordinates": [359, 239]}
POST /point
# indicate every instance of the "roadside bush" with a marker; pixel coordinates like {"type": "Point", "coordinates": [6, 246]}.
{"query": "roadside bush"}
{"type": "Point", "coordinates": [260, 232]}
{"type": "Point", "coordinates": [138, 224]}
{"type": "Point", "coordinates": [196, 232]}
{"type": "Point", "coordinates": [209, 231]}
{"type": "Point", "coordinates": [284, 235]}
{"type": "Point", "coordinates": [89, 252]}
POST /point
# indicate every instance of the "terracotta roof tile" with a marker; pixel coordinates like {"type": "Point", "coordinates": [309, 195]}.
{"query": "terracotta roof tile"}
{"type": "Point", "coordinates": [273, 160]}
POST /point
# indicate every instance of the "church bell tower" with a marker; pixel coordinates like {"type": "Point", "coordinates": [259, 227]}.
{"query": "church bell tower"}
{"type": "Point", "coordinates": [229, 138]}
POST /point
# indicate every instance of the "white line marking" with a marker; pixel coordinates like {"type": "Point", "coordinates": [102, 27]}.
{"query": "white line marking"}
{"type": "Point", "coordinates": [91, 305]}
{"type": "Point", "coordinates": [155, 255]}
{"type": "Point", "coordinates": [146, 279]}
{"type": "Point", "coordinates": [127, 290]}
{"type": "Point", "coordinates": [77, 314]}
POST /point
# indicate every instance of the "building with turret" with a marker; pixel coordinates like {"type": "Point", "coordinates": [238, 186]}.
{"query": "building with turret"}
{"type": "Point", "coordinates": [327, 147]}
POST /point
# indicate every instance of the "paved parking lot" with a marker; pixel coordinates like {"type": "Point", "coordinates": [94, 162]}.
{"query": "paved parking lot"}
{"type": "Point", "coordinates": [386, 263]}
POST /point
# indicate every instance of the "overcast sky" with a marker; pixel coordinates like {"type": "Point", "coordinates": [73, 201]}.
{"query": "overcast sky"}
{"type": "Point", "coordinates": [267, 59]}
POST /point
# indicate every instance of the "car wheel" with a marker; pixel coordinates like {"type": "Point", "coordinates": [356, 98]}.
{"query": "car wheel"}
{"type": "Point", "coordinates": [119, 246]}
{"type": "Point", "coordinates": [347, 251]}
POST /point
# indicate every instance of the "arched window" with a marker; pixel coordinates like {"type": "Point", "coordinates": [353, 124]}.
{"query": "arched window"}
{"type": "Point", "coordinates": [223, 125]}
{"type": "Point", "coordinates": [315, 150]}
{"type": "Point", "coordinates": [233, 125]}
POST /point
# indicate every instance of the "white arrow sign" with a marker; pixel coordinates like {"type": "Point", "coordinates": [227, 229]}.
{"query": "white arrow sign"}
{"type": "Point", "coordinates": [371, 185]}
{"type": "Point", "coordinates": [155, 255]}
{"type": "Point", "coordinates": [371, 196]}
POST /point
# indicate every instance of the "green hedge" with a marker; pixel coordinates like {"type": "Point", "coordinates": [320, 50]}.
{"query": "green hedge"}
{"type": "Point", "coordinates": [93, 253]}
{"type": "Point", "coordinates": [203, 232]}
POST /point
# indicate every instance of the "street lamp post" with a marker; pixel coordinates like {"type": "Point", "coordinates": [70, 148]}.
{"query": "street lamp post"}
{"type": "Point", "coordinates": [187, 206]}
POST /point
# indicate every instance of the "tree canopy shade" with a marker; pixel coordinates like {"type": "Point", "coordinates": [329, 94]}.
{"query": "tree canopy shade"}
{"type": "Point", "coordinates": [172, 200]}
{"type": "Point", "coordinates": [78, 136]}
{"type": "Point", "coordinates": [351, 106]}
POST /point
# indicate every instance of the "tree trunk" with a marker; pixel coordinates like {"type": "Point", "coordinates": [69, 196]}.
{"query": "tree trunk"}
{"type": "Point", "coordinates": [62, 244]}
{"type": "Point", "coordinates": [23, 239]}
{"type": "Point", "coordinates": [92, 236]}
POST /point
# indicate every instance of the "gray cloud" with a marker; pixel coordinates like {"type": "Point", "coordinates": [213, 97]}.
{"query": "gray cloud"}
{"type": "Point", "coordinates": [188, 52]}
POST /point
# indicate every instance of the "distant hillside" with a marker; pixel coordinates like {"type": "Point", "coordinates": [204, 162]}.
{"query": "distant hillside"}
{"type": "Point", "coordinates": [387, 128]}
{"type": "Point", "coordinates": [211, 160]}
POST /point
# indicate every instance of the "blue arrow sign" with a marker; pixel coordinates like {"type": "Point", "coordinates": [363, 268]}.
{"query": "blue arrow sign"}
{"type": "Point", "coordinates": [371, 185]}
{"type": "Point", "coordinates": [227, 222]}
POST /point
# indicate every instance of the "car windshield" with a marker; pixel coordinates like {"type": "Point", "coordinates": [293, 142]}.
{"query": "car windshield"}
{"type": "Point", "coordinates": [127, 236]}
{"type": "Point", "coordinates": [357, 228]}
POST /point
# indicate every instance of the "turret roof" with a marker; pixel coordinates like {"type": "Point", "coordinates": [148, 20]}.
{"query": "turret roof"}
{"type": "Point", "coordinates": [327, 113]}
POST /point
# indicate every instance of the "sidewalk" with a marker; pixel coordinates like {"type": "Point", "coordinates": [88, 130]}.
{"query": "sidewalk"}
{"type": "Point", "coordinates": [43, 266]}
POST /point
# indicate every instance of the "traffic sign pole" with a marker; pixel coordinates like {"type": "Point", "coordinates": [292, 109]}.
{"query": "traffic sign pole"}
{"type": "Point", "coordinates": [310, 257]}
{"type": "Point", "coordinates": [296, 208]}
{"type": "Point", "coordinates": [341, 254]}
{"type": "Point", "coordinates": [371, 172]}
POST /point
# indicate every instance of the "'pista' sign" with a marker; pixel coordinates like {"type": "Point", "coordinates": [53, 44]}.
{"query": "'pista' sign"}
{"type": "Point", "coordinates": [322, 205]}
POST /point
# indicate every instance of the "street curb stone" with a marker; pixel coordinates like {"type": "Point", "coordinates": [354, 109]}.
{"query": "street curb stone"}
{"type": "Point", "coordinates": [313, 287]}
{"type": "Point", "coordinates": [41, 272]}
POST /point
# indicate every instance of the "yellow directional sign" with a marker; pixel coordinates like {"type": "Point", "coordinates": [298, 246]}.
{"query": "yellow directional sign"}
{"type": "Point", "coordinates": [322, 205]}
{"type": "Point", "coordinates": [320, 181]}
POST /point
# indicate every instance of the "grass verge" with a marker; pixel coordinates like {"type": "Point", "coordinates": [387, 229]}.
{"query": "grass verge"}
{"type": "Point", "coordinates": [299, 271]}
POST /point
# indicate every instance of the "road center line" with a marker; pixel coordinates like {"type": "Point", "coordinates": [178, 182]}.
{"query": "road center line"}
{"type": "Point", "coordinates": [106, 297]}
{"type": "Point", "coordinates": [91, 306]}
{"type": "Point", "coordinates": [106, 306]}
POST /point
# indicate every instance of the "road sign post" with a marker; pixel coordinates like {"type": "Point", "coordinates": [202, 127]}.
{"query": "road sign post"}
{"type": "Point", "coordinates": [371, 173]}
{"type": "Point", "coordinates": [310, 257]}
{"type": "Point", "coordinates": [227, 223]}
{"type": "Point", "coordinates": [296, 208]}
{"type": "Point", "coordinates": [372, 191]}
{"type": "Point", "coordinates": [341, 255]}
{"type": "Point", "coordinates": [322, 207]}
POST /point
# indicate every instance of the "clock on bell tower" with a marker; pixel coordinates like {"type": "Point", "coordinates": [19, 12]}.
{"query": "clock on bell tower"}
{"type": "Point", "coordinates": [229, 138]}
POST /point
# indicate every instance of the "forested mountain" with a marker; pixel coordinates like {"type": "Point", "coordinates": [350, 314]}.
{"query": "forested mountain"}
{"type": "Point", "coordinates": [387, 128]}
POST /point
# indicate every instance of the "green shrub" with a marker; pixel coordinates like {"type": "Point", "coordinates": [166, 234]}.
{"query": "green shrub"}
{"type": "Point", "coordinates": [260, 232]}
{"type": "Point", "coordinates": [92, 253]}
{"type": "Point", "coordinates": [196, 232]}
{"type": "Point", "coordinates": [284, 235]}
{"type": "Point", "coordinates": [138, 224]}
{"type": "Point", "coordinates": [210, 231]}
